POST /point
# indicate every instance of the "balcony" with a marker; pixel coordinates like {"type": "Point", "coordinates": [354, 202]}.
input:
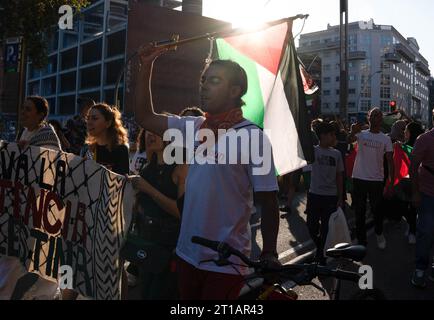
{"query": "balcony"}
{"type": "Point", "coordinates": [357, 55]}
{"type": "Point", "coordinates": [405, 52]}
{"type": "Point", "coordinates": [332, 45]}
{"type": "Point", "coordinates": [423, 68]}
{"type": "Point", "coordinates": [392, 57]}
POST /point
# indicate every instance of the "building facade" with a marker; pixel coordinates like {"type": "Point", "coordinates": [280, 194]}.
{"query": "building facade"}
{"type": "Point", "coordinates": [86, 61]}
{"type": "Point", "coordinates": [383, 66]}
{"type": "Point", "coordinates": [431, 102]}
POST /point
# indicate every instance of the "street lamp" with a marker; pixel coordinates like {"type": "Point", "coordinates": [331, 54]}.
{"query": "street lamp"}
{"type": "Point", "coordinates": [364, 87]}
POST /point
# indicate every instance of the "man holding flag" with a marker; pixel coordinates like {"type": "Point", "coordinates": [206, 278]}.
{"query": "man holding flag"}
{"type": "Point", "coordinates": [219, 197]}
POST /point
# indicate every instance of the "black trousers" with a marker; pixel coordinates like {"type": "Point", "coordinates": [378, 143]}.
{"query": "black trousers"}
{"type": "Point", "coordinates": [362, 190]}
{"type": "Point", "coordinates": [319, 209]}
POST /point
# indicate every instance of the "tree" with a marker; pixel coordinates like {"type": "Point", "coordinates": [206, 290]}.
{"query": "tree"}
{"type": "Point", "coordinates": [33, 20]}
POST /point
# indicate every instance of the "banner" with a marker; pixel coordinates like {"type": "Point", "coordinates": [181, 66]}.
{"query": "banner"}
{"type": "Point", "coordinates": [57, 209]}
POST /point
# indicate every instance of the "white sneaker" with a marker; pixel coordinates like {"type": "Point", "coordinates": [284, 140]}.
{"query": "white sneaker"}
{"type": "Point", "coordinates": [381, 242]}
{"type": "Point", "coordinates": [411, 239]}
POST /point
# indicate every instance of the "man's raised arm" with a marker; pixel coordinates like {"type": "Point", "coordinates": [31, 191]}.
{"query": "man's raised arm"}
{"type": "Point", "coordinates": [144, 110]}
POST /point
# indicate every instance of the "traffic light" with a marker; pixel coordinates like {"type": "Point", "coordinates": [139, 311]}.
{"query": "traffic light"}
{"type": "Point", "coordinates": [392, 105]}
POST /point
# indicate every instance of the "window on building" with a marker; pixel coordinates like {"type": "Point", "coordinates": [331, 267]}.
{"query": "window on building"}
{"type": "Point", "coordinates": [365, 105]}
{"type": "Point", "coordinates": [326, 67]}
{"type": "Point", "coordinates": [68, 59]}
{"type": "Point", "coordinates": [51, 66]}
{"type": "Point", "coordinates": [91, 51]}
{"type": "Point", "coordinates": [337, 92]}
{"type": "Point", "coordinates": [337, 105]}
{"type": "Point", "coordinates": [385, 79]}
{"type": "Point", "coordinates": [326, 92]}
{"type": "Point", "coordinates": [90, 77]}
{"type": "Point", "coordinates": [385, 92]}
{"type": "Point", "coordinates": [116, 44]}
{"type": "Point", "coordinates": [49, 86]}
{"type": "Point", "coordinates": [351, 105]}
{"type": "Point", "coordinates": [351, 91]}
{"type": "Point", "coordinates": [384, 105]}
{"type": "Point", "coordinates": [66, 105]}
{"type": "Point", "coordinates": [337, 79]}
{"type": "Point", "coordinates": [112, 70]}
{"type": "Point", "coordinates": [93, 22]}
{"type": "Point", "coordinates": [33, 88]}
{"type": "Point", "coordinates": [70, 37]}
{"type": "Point", "coordinates": [365, 92]}
{"type": "Point", "coordinates": [326, 105]}
{"type": "Point", "coordinates": [385, 65]}
{"type": "Point", "coordinates": [352, 77]}
{"type": "Point", "coordinates": [118, 15]}
{"type": "Point", "coordinates": [67, 82]}
{"type": "Point", "coordinates": [327, 79]}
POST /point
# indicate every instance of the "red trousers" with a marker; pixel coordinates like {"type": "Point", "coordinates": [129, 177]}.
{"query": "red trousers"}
{"type": "Point", "coordinates": [196, 284]}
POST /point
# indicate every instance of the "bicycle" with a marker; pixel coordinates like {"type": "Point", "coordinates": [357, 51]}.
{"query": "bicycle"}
{"type": "Point", "coordinates": [300, 274]}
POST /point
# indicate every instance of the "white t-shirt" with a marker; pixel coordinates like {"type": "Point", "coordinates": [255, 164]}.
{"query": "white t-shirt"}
{"type": "Point", "coordinates": [137, 162]}
{"type": "Point", "coordinates": [219, 198]}
{"type": "Point", "coordinates": [370, 155]}
{"type": "Point", "coordinates": [28, 135]}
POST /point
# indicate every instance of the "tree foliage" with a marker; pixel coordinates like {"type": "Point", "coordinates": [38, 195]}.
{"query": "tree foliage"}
{"type": "Point", "coordinates": [33, 20]}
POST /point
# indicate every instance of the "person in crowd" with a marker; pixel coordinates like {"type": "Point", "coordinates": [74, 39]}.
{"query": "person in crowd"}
{"type": "Point", "coordinates": [412, 131]}
{"type": "Point", "coordinates": [59, 131]}
{"type": "Point", "coordinates": [107, 139]}
{"type": "Point", "coordinates": [84, 105]}
{"type": "Point", "coordinates": [368, 173]}
{"type": "Point", "coordinates": [139, 158]}
{"type": "Point", "coordinates": [218, 197]}
{"type": "Point", "coordinates": [36, 130]}
{"type": "Point", "coordinates": [326, 188]}
{"type": "Point", "coordinates": [39, 133]}
{"type": "Point", "coordinates": [157, 217]}
{"type": "Point", "coordinates": [107, 144]}
{"type": "Point", "coordinates": [422, 180]}
{"type": "Point", "coordinates": [72, 134]}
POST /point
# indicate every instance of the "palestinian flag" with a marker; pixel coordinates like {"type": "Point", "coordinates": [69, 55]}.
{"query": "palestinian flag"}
{"type": "Point", "coordinates": [401, 159]}
{"type": "Point", "coordinates": [267, 58]}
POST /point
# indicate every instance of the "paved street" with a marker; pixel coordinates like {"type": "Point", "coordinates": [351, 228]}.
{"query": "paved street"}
{"type": "Point", "coordinates": [392, 267]}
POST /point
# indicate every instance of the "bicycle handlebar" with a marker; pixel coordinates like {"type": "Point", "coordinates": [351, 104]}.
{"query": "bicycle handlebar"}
{"type": "Point", "coordinates": [313, 270]}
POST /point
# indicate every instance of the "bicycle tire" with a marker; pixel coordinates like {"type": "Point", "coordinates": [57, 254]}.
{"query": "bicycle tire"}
{"type": "Point", "coordinates": [371, 294]}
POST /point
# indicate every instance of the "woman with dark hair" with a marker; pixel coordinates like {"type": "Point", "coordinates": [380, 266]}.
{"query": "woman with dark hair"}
{"type": "Point", "coordinates": [37, 132]}
{"type": "Point", "coordinates": [107, 138]}
{"type": "Point", "coordinates": [157, 219]}
{"type": "Point", "coordinates": [107, 144]}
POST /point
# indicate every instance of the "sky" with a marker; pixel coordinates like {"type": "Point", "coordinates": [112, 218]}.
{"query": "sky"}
{"type": "Point", "coordinates": [411, 18]}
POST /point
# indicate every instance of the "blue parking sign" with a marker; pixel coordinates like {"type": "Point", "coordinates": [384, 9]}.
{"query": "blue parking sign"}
{"type": "Point", "coordinates": [12, 57]}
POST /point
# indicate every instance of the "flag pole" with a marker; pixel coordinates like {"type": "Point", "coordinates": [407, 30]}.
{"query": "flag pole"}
{"type": "Point", "coordinates": [174, 42]}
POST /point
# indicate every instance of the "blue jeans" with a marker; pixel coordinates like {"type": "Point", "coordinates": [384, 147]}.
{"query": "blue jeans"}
{"type": "Point", "coordinates": [425, 232]}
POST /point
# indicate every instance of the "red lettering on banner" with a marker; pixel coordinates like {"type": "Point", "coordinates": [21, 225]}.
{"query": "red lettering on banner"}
{"type": "Point", "coordinates": [31, 205]}
{"type": "Point", "coordinates": [55, 228]}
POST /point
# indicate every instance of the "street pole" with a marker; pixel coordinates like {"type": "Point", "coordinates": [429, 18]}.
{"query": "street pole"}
{"type": "Point", "coordinates": [21, 88]}
{"type": "Point", "coordinates": [343, 91]}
